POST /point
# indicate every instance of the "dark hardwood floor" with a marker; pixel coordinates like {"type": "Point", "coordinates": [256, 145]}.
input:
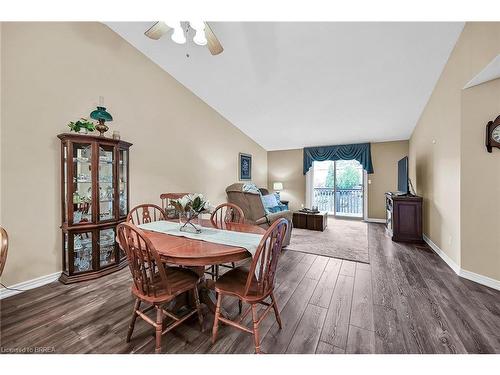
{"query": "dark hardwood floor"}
{"type": "Point", "coordinates": [406, 301]}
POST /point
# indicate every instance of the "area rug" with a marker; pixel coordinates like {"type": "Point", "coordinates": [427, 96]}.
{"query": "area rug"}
{"type": "Point", "coordinates": [342, 238]}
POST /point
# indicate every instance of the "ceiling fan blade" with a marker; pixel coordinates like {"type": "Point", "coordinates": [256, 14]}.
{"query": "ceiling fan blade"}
{"type": "Point", "coordinates": [212, 42]}
{"type": "Point", "coordinates": [157, 30]}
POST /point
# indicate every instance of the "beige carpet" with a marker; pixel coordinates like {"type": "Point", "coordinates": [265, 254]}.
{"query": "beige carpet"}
{"type": "Point", "coordinates": [342, 238]}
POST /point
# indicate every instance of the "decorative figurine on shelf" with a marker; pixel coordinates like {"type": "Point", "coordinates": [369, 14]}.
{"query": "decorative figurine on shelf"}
{"type": "Point", "coordinates": [102, 116]}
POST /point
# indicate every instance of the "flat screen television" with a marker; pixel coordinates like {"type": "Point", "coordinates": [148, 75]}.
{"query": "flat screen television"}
{"type": "Point", "coordinates": [403, 187]}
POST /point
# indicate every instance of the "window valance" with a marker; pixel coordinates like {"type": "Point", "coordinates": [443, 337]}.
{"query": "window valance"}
{"type": "Point", "coordinates": [360, 152]}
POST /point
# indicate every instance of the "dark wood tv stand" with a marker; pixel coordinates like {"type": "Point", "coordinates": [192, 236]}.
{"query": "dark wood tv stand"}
{"type": "Point", "coordinates": [404, 217]}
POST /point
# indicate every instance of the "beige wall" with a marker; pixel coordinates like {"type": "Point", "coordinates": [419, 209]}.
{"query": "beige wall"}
{"type": "Point", "coordinates": [385, 157]}
{"type": "Point", "coordinates": [480, 182]}
{"type": "Point", "coordinates": [1, 25]}
{"type": "Point", "coordinates": [286, 167]}
{"type": "Point", "coordinates": [442, 140]}
{"type": "Point", "coordinates": [53, 73]}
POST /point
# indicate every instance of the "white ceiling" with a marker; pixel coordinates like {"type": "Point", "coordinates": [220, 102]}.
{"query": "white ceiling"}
{"type": "Point", "coordinates": [295, 84]}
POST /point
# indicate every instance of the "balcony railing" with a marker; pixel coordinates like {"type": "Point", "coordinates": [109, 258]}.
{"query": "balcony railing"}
{"type": "Point", "coordinates": [347, 202]}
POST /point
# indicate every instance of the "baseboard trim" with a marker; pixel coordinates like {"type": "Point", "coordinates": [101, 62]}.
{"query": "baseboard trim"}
{"type": "Point", "coordinates": [480, 279]}
{"type": "Point", "coordinates": [30, 284]}
{"type": "Point", "coordinates": [370, 220]}
{"type": "Point", "coordinates": [450, 262]}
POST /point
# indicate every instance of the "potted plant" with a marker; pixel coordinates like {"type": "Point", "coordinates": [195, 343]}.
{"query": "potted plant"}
{"type": "Point", "coordinates": [82, 124]}
{"type": "Point", "coordinates": [190, 207]}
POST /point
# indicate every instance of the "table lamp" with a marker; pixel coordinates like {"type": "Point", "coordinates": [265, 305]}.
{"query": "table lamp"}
{"type": "Point", "coordinates": [277, 187]}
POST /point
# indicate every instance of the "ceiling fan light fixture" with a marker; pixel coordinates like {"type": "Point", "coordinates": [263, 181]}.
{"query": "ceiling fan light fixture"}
{"type": "Point", "coordinates": [200, 38]}
{"type": "Point", "coordinates": [203, 33]}
{"type": "Point", "coordinates": [178, 34]}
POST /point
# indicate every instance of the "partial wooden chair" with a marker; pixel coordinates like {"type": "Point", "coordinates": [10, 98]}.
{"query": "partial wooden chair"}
{"type": "Point", "coordinates": [154, 283]}
{"type": "Point", "coordinates": [251, 287]}
{"type": "Point", "coordinates": [4, 248]}
{"type": "Point", "coordinates": [166, 198]}
{"type": "Point", "coordinates": [225, 213]}
{"type": "Point", "coordinates": [145, 213]}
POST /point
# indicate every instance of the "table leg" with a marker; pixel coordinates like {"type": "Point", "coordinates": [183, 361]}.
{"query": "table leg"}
{"type": "Point", "coordinates": [207, 291]}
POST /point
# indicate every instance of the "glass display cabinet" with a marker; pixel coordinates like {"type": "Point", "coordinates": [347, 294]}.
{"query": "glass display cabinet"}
{"type": "Point", "coordinates": [95, 198]}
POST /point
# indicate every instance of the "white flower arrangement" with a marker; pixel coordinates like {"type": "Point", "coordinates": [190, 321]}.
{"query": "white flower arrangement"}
{"type": "Point", "coordinates": [190, 207]}
{"type": "Point", "coordinates": [194, 203]}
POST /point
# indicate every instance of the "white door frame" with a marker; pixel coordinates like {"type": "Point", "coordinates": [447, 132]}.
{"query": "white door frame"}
{"type": "Point", "coordinates": [309, 186]}
{"type": "Point", "coordinates": [365, 195]}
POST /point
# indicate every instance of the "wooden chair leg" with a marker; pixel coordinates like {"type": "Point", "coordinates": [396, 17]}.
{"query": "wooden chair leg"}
{"type": "Point", "coordinates": [276, 311]}
{"type": "Point", "coordinates": [213, 272]}
{"type": "Point", "coordinates": [159, 328]}
{"type": "Point", "coordinates": [216, 318]}
{"type": "Point", "coordinates": [137, 305]}
{"type": "Point", "coordinates": [198, 306]}
{"type": "Point", "coordinates": [216, 272]}
{"type": "Point", "coordinates": [240, 306]}
{"type": "Point", "coordinates": [256, 337]}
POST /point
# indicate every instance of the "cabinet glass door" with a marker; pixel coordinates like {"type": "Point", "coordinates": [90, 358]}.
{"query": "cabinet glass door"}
{"type": "Point", "coordinates": [82, 252]}
{"type": "Point", "coordinates": [106, 182]}
{"type": "Point", "coordinates": [107, 247]}
{"type": "Point", "coordinates": [123, 182]}
{"type": "Point", "coordinates": [82, 183]}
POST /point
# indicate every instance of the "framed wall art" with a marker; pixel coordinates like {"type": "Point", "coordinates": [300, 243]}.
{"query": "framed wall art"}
{"type": "Point", "coordinates": [245, 167]}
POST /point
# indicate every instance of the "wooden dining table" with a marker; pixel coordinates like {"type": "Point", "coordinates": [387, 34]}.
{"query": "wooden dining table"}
{"type": "Point", "coordinates": [198, 254]}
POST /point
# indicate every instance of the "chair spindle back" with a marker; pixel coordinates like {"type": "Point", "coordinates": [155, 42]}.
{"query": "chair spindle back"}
{"type": "Point", "coordinates": [266, 258]}
{"type": "Point", "coordinates": [4, 247]}
{"type": "Point", "coordinates": [148, 272]}
{"type": "Point", "coordinates": [227, 213]}
{"type": "Point", "coordinates": [145, 213]}
{"type": "Point", "coordinates": [167, 207]}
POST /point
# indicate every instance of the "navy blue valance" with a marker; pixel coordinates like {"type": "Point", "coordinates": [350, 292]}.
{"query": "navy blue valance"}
{"type": "Point", "coordinates": [360, 152]}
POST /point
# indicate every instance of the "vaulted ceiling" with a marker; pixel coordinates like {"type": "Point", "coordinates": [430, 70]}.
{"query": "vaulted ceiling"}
{"type": "Point", "coordinates": [295, 84]}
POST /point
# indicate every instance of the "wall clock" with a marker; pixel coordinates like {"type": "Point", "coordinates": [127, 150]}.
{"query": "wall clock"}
{"type": "Point", "coordinates": [493, 134]}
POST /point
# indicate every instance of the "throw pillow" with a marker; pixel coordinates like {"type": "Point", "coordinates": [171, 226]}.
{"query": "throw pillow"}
{"type": "Point", "coordinates": [269, 201]}
{"type": "Point", "coordinates": [275, 209]}
{"type": "Point", "coordinates": [277, 198]}
{"type": "Point", "coordinates": [251, 188]}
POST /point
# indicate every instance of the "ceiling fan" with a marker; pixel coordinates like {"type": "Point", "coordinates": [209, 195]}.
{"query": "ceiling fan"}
{"type": "Point", "coordinates": [203, 36]}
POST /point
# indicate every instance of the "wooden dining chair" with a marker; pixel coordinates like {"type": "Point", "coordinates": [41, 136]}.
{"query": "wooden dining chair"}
{"type": "Point", "coordinates": [251, 287]}
{"type": "Point", "coordinates": [223, 214]}
{"type": "Point", "coordinates": [227, 213]}
{"type": "Point", "coordinates": [154, 283]}
{"type": "Point", "coordinates": [145, 213]}
{"type": "Point", "coordinates": [166, 198]}
{"type": "Point", "coordinates": [4, 247]}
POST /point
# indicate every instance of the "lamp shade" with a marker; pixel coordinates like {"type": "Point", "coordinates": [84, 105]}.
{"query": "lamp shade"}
{"type": "Point", "coordinates": [101, 114]}
{"type": "Point", "coordinates": [278, 186]}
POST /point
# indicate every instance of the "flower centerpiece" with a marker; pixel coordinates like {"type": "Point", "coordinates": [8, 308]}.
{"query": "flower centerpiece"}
{"type": "Point", "coordinates": [190, 207]}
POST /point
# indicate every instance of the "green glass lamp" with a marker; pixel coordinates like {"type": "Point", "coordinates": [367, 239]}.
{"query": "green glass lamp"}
{"type": "Point", "coordinates": [101, 116]}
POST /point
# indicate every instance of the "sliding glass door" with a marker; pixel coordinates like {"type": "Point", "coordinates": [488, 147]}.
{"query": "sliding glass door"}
{"type": "Point", "coordinates": [337, 187]}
